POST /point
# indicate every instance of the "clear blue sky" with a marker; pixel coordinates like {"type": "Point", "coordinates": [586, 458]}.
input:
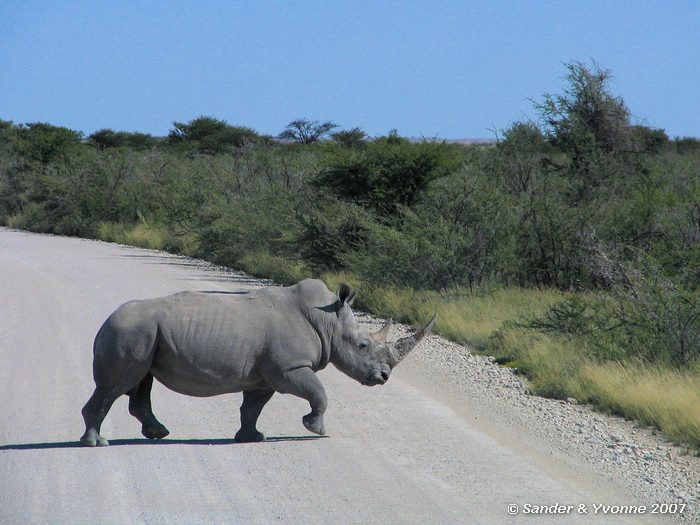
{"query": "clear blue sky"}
{"type": "Point", "coordinates": [454, 69]}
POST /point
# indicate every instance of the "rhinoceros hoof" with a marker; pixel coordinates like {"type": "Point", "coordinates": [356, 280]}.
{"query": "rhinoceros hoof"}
{"type": "Point", "coordinates": [154, 431]}
{"type": "Point", "coordinates": [93, 439]}
{"type": "Point", "coordinates": [249, 437]}
{"type": "Point", "coordinates": [314, 424]}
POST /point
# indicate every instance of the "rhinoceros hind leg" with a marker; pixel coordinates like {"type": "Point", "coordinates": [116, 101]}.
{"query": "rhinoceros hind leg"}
{"type": "Point", "coordinates": [94, 413]}
{"type": "Point", "coordinates": [140, 408]}
{"type": "Point", "coordinates": [253, 403]}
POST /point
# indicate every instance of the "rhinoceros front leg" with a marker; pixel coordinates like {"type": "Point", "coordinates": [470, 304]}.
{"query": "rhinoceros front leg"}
{"type": "Point", "coordinates": [253, 403]}
{"type": "Point", "coordinates": [302, 382]}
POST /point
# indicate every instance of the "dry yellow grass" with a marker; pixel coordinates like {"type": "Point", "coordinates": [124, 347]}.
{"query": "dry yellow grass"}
{"type": "Point", "coordinates": [473, 318]}
{"type": "Point", "coordinates": [462, 316]}
{"type": "Point", "coordinates": [141, 235]}
{"type": "Point", "coordinates": [149, 236]}
{"type": "Point", "coordinates": [668, 399]}
{"type": "Point", "coordinates": [280, 270]}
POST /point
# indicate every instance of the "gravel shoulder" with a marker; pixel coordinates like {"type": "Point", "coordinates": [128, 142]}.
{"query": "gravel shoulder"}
{"type": "Point", "coordinates": [451, 438]}
{"type": "Point", "coordinates": [621, 452]}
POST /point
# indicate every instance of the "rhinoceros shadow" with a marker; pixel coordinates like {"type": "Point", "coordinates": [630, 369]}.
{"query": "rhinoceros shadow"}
{"type": "Point", "coordinates": [156, 442]}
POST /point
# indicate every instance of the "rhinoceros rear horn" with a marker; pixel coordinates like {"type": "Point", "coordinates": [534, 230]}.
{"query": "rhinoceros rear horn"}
{"type": "Point", "coordinates": [380, 335]}
{"type": "Point", "coordinates": [403, 346]}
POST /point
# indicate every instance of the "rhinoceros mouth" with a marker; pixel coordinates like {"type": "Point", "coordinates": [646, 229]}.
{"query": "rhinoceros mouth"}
{"type": "Point", "coordinates": [377, 378]}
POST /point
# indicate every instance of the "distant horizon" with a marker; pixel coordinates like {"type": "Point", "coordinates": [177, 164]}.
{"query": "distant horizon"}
{"type": "Point", "coordinates": [451, 140]}
{"type": "Point", "coordinates": [340, 128]}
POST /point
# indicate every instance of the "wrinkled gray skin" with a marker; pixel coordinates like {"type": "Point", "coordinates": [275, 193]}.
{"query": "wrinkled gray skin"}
{"type": "Point", "coordinates": [204, 344]}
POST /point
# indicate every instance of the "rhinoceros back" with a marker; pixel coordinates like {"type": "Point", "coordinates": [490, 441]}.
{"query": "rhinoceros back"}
{"type": "Point", "coordinates": [207, 344]}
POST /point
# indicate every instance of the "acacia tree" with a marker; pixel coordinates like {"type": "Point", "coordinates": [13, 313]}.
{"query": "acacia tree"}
{"type": "Point", "coordinates": [587, 116]}
{"type": "Point", "coordinates": [43, 143]}
{"type": "Point", "coordinates": [350, 137]}
{"type": "Point", "coordinates": [108, 138]}
{"type": "Point", "coordinates": [388, 173]}
{"type": "Point", "coordinates": [210, 135]}
{"type": "Point", "coordinates": [304, 131]}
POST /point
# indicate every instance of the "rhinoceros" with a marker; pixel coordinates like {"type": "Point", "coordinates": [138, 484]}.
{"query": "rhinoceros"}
{"type": "Point", "coordinates": [203, 344]}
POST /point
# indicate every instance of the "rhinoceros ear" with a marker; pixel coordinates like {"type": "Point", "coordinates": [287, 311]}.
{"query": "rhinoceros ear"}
{"type": "Point", "coordinates": [346, 295]}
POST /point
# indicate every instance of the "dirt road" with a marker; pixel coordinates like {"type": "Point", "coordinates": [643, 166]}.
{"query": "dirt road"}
{"type": "Point", "coordinates": [393, 454]}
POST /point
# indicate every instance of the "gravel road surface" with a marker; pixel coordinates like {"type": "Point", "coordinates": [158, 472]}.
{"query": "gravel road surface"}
{"type": "Point", "coordinates": [401, 453]}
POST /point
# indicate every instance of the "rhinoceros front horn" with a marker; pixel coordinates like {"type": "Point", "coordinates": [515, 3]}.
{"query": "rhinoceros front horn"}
{"type": "Point", "coordinates": [403, 346]}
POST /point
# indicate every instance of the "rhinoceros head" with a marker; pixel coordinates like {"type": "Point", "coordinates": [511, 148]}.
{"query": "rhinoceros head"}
{"type": "Point", "coordinates": [365, 356]}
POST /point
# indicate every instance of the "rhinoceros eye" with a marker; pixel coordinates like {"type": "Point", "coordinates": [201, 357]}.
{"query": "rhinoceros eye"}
{"type": "Point", "coordinates": [364, 344]}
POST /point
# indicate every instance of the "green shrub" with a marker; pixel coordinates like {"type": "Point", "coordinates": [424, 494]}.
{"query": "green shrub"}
{"type": "Point", "coordinates": [330, 232]}
{"type": "Point", "coordinates": [209, 135]}
{"type": "Point", "coordinates": [43, 143]}
{"type": "Point", "coordinates": [33, 218]}
{"type": "Point", "coordinates": [652, 315]}
{"type": "Point", "coordinates": [388, 173]}
{"type": "Point", "coordinates": [107, 138]}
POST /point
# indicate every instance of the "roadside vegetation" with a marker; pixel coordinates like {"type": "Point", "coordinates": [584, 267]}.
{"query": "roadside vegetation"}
{"type": "Point", "coordinates": [569, 250]}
